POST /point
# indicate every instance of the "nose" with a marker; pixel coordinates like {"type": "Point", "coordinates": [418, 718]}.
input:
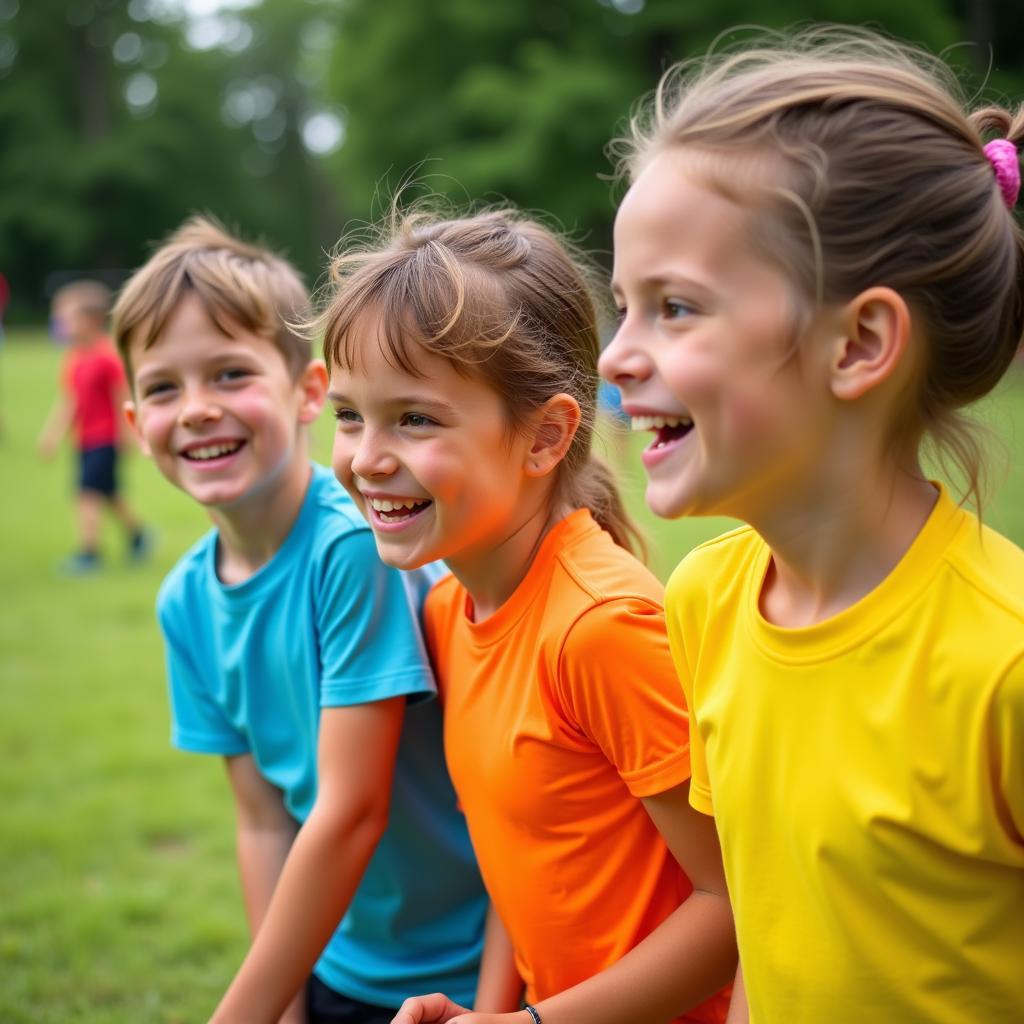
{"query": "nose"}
{"type": "Point", "coordinates": [623, 361]}
{"type": "Point", "coordinates": [372, 456]}
{"type": "Point", "coordinates": [198, 406]}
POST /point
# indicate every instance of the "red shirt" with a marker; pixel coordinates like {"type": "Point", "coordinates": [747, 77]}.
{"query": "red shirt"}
{"type": "Point", "coordinates": [93, 379]}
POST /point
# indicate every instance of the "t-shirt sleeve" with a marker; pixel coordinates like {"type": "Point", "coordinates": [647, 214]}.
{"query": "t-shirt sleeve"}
{"type": "Point", "coordinates": [700, 786]}
{"type": "Point", "coordinates": [198, 723]}
{"type": "Point", "coordinates": [367, 620]}
{"type": "Point", "coordinates": [1008, 743]}
{"type": "Point", "coordinates": [617, 680]}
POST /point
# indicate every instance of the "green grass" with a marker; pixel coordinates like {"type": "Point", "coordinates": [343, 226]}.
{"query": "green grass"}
{"type": "Point", "coordinates": [119, 899]}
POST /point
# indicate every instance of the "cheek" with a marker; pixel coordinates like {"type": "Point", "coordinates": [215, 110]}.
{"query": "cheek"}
{"type": "Point", "coordinates": [748, 418]}
{"type": "Point", "coordinates": [342, 452]}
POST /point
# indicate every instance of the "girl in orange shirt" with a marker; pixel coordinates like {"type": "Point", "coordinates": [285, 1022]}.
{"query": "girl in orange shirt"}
{"type": "Point", "coordinates": [463, 377]}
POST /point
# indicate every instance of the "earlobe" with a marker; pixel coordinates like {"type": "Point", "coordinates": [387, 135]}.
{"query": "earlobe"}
{"type": "Point", "coordinates": [555, 426]}
{"type": "Point", "coordinates": [873, 341]}
{"type": "Point", "coordinates": [313, 383]}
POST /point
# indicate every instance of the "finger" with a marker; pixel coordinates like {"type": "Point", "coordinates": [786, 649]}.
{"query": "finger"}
{"type": "Point", "coordinates": [423, 1009]}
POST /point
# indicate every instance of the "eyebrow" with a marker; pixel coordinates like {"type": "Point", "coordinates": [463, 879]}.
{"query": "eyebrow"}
{"type": "Point", "coordinates": [420, 401]}
{"type": "Point", "coordinates": [665, 281]}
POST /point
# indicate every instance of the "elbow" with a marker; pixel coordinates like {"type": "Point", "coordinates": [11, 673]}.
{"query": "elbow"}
{"type": "Point", "coordinates": [351, 821]}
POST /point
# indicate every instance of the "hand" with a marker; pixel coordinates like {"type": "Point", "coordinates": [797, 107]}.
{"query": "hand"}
{"type": "Point", "coordinates": [47, 447]}
{"type": "Point", "coordinates": [439, 1009]}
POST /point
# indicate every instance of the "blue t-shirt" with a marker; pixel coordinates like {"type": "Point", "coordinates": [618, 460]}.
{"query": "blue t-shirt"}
{"type": "Point", "coordinates": [326, 624]}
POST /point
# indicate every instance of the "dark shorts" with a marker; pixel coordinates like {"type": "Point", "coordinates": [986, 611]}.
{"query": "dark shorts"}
{"type": "Point", "coordinates": [325, 1006]}
{"type": "Point", "coordinates": [98, 470]}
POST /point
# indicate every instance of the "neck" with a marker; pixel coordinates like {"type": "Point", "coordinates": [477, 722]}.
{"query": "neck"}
{"type": "Point", "coordinates": [252, 530]}
{"type": "Point", "coordinates": [838, 540]}
{"type": "Point", "coordinates": [491, 577]}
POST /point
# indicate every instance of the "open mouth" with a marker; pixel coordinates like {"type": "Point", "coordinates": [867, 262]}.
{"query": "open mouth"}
{"type": "Point", "coordinates": [391, 511]}
{"type": "Point", "coordinates": [209, 452]}
{"type": "Point", "coordinates": [667, 429]}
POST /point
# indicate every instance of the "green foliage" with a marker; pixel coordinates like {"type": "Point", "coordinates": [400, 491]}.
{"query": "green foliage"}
{"type": "Point", "coordinates": [121, 133]}
{"type": "Point", "coordinates": [116, 126]}
{"type": "Point", "coordinates": [520, 100]}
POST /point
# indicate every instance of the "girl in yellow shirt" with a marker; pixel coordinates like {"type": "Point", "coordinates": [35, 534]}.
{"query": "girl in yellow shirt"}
{"type": "Point", "coordinates": [817, 265]}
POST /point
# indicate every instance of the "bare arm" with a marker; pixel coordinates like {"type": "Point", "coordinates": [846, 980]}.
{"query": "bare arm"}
{"type": "Point", "coordinates": [265, 832]}
{"type": "Point", "coordinates": [500, 988]}
{"type": "Point", "coordinates": [688, 958]}
{"type": "Point", "coordinates": [58, 423]}
{"type": "Point", "coordinates": [684, 961]}
{"type": "Point", "coordinates": [355, 763]}
{"type": "Point", "coordinates": [738, 1010]}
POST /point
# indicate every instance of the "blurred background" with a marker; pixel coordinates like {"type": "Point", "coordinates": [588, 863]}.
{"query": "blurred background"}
{"type": "Point", "coordinates": [290, 120]}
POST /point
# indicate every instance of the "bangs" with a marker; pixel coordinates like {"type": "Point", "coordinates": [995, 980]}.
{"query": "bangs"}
{"type": "Point", "coordinates": [420, 300]}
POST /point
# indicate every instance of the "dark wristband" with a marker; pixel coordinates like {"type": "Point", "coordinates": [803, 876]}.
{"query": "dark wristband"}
{"type": "Point", "coordinates": [532, 1011]}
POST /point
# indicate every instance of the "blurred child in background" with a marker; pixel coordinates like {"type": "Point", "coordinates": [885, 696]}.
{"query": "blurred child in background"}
{"type": "Point", "coordinates": [295, 654]}
{"type": "Point", "coordinates": [92, 392]}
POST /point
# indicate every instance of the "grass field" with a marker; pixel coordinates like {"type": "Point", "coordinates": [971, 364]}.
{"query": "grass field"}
{"type": "Point", "coordinates": [118, 891]}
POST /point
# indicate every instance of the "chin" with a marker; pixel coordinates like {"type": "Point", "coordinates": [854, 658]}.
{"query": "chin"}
{"type": "Point", "coordinates": [667, 506]}
{"type": "Point", "coordinates": [398, 558]}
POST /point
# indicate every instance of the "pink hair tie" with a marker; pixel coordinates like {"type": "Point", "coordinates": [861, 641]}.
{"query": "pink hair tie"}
{"type": "Point", "coordinates": [1002, 155]}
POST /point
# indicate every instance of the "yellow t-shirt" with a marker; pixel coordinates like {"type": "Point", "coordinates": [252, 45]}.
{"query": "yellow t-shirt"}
{"type": "Point", "coordinates": [867, 775]}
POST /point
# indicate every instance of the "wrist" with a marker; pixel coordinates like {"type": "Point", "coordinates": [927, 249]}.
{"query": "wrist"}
{"type": "Point", "coordinates": [533, 1015]}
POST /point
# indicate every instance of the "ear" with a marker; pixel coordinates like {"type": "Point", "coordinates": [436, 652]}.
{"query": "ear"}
{"type": "Point", "coordinates": [131, 415]}
{"type": "Point", "coordinates": [312, 385]}
{"type": "Point", "coordinates": [872, 343]}
{"type": "Point", "coordinates": [554, 425]}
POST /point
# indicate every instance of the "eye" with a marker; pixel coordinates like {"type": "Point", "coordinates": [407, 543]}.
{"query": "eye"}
{"type": "Point", "coordinates": [157, 388]}
{"type": "Point", "coordinates": [676, 309]}
{"type": "Point", "coordinates": [233, 373]}
{"type": "Point", "coordinates": [343, 415]}
{"type": "Point", "coordinates": [417, 419]}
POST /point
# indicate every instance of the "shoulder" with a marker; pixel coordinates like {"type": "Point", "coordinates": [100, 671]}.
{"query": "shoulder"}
{"type": "Point", "coordinates": [614, 630]}
{"type": "Point", "coordinates": [443, 597]}
{"type": "Point", "coordinates": [707, 565]}
{"type": "Point", "coordinates": [990, 567]}
{"type": "Point", "coordinates": [334, 512]}
{"type": "Point", "coordinates": [187, 581]}
{"type": "Point", "coordinates": [602, 599]}
{"type": "Point", "coordinates": [591, 569]}
{"type": "Point", "coordinates": [334, 528]}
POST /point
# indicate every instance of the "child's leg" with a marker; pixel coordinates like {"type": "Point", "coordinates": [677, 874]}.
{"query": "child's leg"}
{"type": "Point", "coordinates": [88, 506]}
{"type": "Point", "coordinates": [138, 539]}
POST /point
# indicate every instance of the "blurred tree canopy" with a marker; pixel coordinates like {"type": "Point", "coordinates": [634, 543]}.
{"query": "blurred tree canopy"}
{"type": "Point", "coordinates": [289, 119]}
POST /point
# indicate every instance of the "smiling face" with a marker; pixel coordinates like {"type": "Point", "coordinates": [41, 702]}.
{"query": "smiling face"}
{"type": "Point", "coordinates": [429, 457]}
{"type": "Point", "coordinates": [704, 355]}
{"type": "Point", "coordinates": [220, 416]}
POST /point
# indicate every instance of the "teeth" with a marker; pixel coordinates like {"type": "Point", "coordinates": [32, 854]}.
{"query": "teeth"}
{"type": "Point", "coordinates": [657, 422]}
{"type": "Point", "coordinates": [213, 451]}
{"type": "Point", "coordinates": [383, 505]}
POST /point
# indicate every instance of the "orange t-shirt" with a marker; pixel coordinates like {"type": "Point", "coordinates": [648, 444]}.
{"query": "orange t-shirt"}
{"type": "Point", "coordinates": [561, 710]}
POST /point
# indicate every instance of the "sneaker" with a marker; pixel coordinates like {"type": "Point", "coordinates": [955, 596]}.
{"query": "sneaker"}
{"type": "Point", "coordinates": [81, 563]}
{"type": "Point", "coordinates": [140, 545]}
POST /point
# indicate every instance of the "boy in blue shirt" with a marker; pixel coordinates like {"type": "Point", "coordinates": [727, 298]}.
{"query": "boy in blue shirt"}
{"type": "Point", "coordinates": [295, 653]}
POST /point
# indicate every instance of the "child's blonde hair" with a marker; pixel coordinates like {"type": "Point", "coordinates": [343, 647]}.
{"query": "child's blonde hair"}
{"type": "Point", "coordinates": [237, 283]}
{"type": "Point", "coordinates": [865, 169]}
{"type": "Point", "coordinates": [500, 296]}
